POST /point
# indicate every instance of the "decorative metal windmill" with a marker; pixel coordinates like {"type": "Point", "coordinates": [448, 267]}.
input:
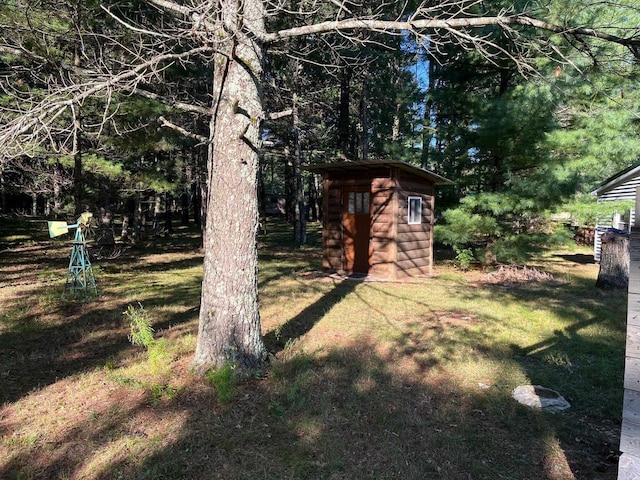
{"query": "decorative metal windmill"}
{"type": "Point", "coordinates": [80, 280]}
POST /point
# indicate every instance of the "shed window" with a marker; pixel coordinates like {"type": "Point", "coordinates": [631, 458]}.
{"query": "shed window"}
{"type": "Point", "coordinates": [415, 210]}
{"type": "Point", "coordinates": [358, 202]}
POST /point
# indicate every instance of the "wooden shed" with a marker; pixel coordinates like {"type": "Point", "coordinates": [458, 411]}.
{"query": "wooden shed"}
{"type": "Point", "coordinates": [378, 218]}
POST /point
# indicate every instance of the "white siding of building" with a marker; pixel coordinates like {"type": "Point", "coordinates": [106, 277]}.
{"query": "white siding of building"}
{"type": "Point", "coordinates": [620, 187]}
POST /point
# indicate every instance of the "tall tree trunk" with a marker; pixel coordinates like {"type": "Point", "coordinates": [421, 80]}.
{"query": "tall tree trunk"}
{"type": "Point", "coordinates": [395, 125]}
{"type": "Point", "coordinates": [262, 194]}
{"type": "Point", "coordinates": [196, 196]}
{"type": "Point", "coordinates": [124, 233]}
{"type": "Point", "coordinates": [157, 210]}
{"type": "Point", "coordinates": [429, 141]}
{"type": "Point", "coordinates": [201, 191]}
{"type": "Point", "coordinates": [3, 194]}
{"type": "Point", "coordinates": [364, 121]}
{"type": "Point", "coordinates": [300, 223]}
{"type": "Point", "coordinates": [344, 118]}
{"type": "Point", "coordinates": [187, 180]}
{"type": "Point", "coordinates": [57, 188]}
{"type": "Point", "coordinates": [184, 207]}
{"type": "Point", "coordinates": [77, 163]}
{"type": "Point", "coordinates": [314, 210]}
{"type": "Point", "coordinates": [229, 328]}
{"type": "Point", "coordinates": [289, 186]}
{"type": "Point", "coordinates": [78, 186]}
{"type": "Point", "coordinates": [427, 134]}
{"type": "Point", "coordinates": [138, 216]}
{"type": "Point", "coordinates": [168, 208]}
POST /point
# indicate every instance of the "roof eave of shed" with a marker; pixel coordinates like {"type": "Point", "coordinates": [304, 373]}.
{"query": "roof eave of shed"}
{"type": "Point", "coordinates": [617, 179]}
{"type": "Point", "coordinates": [353, 165]}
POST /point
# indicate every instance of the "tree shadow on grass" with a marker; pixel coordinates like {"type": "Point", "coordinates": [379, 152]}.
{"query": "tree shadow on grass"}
{"type": "Point", "coordinates": [580, 258]}
{"type": "Point", "coordinates": [34, 354]}
{"type": "Point", "coordinates": [352, 413]}
{"type": "Point", "coordinates": [276, 340]}
{"type": "Point", "coordinates": [583, 359]}
{"type": "Point", "coordinates": [44, 339]}
{"type": "Point", "coordinates": [588, 372]}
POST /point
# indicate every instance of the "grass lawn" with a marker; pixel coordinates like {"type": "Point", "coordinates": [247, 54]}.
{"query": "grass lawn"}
{"type": "Point", "coordinates": [368, 379]}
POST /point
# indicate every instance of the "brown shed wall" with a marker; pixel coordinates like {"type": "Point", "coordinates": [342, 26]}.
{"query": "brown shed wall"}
{"type": "Point", "coordinates": [396, 248]}
{"type": "Point", "coordinates": [414, 242]}
{"type": "Point", "coordinates": [331, 226]}
{"type": "Point", "coordinates": [383, 227]}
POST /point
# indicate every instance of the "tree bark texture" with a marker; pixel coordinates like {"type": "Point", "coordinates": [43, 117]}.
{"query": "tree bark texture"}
{"type": "Point", "coordinates": [300, 225]}
{"type": "Point", "coordinates": [314, 203]}
{"type": "Point", "coordinates": [57, 189]}
{"type": "Point", "coordinates": [229, 328]}
{"type": "Point", "coordinates": [364, 121]}
{"type": "Point", "coordinates": [168, 213]}
{"type": "Point", "coordinates": [289, 187]}
{"type": "Point", "coordinates": [78, 186]}
{"type": "Point", "coordinates": [344, 119]}
{"type": "Point", "coordinates": [3, 194]}
{"type": "Point", "coordinates": [614, 261]}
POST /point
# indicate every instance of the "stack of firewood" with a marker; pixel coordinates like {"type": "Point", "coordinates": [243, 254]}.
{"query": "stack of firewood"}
{"type": "Point", "coordinates": [584, 236]}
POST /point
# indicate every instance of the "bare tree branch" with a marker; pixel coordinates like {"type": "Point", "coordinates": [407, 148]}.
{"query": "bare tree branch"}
{"type": "Point", "coordinates": [133, 28]}
{"type": "Point", "coordinates": [281, 114]}
{"type": "Point", "coordinates": [198, 23]}
{"type": "Point", "coordinates": [40, 119]}
{"type": "Point", "coordinates": [166, 123]}
{"type": "Point", "coordinates": [185, 107]}
{"type": "Point", "coordinates": [453, 25]}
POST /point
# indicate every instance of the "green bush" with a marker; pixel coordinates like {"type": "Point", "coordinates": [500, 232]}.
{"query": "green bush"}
{"type": "Point", "coordinates": [498, 228]}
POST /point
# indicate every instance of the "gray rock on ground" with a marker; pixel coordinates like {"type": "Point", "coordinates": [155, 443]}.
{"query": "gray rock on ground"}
{"type": "Point", "coordinates": [536, 396]}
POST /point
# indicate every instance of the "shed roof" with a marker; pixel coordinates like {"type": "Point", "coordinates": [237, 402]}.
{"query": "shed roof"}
{"type": "Point", "coordinates": [623, 180]}
{"type": "Point", "coordinates": [352, 165]}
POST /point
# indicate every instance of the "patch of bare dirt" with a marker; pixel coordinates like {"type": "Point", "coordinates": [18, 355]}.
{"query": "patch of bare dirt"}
{"type": "Point", "coordinates": [454, 318]}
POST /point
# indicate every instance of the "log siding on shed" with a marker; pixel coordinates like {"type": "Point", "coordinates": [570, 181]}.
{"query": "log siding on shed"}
{"type": "Point", "coordinates": [383, 227]}
{"type": "Point", "coordinates": [332, 226]}
{"type": "Point", "coordinates": [414, 241]}
{"type": "Point", "coordinates": [396, 248]}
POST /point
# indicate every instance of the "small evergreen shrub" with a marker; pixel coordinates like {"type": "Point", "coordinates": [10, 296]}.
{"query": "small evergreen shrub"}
{"type": "Point", "coordinates": [223, 379]}
{"type": "Point", "coordinates": [141, 332]}
{"type": "Point", "coordinates": [464, 257]}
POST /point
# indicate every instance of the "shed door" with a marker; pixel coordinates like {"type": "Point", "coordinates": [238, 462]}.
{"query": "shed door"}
{"type": "Point", "coordinates": [356, 227]}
